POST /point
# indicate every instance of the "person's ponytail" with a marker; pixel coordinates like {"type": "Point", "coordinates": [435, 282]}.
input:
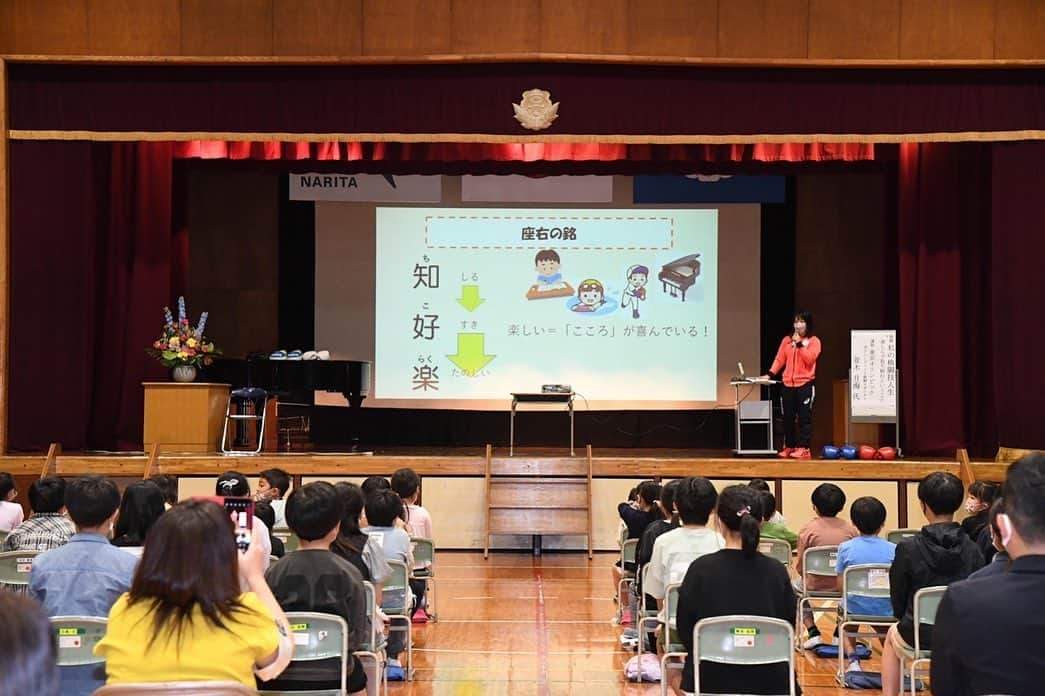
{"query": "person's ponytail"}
{"type": "Point", "coordinates": [740, 510]}
{"type": "Point", "coordinates": [749, 534]}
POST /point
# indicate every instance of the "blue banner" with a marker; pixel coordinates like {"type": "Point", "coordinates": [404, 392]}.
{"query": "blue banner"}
{"type": "Point", "coordinates": [709, 188]}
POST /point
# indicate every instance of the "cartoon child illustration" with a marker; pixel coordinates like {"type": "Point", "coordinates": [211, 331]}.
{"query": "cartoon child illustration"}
{"type": "Point", "coordinates": [590, 296]}
{"type": "Point", "coordinates": [550, 282]}
{"type": "Point", "coordinates": [635, 290]}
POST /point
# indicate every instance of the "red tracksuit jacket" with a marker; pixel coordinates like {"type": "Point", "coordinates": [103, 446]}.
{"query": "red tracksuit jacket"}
{"type": "Point", "coordinates": [798, 362]}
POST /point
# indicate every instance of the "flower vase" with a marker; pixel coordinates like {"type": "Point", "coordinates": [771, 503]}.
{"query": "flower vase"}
{"type": "Point", "coordinates": [184, 373]}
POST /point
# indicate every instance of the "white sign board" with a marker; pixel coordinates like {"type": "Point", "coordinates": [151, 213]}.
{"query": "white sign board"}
{"type": "Point", "coordinates": [873, 389]}
{"type": "Point", "coordinates": [379, 188]}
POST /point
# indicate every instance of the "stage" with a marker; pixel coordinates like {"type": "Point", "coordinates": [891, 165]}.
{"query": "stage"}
{"type": "Point", "coordinates": [454, 481]}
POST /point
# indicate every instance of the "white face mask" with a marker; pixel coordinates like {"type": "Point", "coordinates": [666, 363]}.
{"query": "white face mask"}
{"type": "Point", "coordinates": [973, 505]}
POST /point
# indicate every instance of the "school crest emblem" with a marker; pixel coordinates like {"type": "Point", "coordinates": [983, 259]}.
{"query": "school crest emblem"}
{"type": "Point", "coordinates": [535, 111]}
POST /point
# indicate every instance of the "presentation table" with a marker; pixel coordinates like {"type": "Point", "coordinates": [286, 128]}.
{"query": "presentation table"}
{"type": "Point", "coordinates": [752, 412]}
{"type": "Point", "coordinates": [539, 398]}
{"type": "Point", "coordinates": [184, 417]}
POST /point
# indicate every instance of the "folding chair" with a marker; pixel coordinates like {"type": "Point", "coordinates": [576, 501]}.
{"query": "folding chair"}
{"type": "Point", "coordinates": [744, 640]}
{"type": "Point", "coordinates": [628, 551]}
{"type": "Point", "coordinates": [15, 567]}
{"type": "Point", "coordinates": [76, 636]}
{"type": "Point", "coordinates": [646, 616]}
{"type": "Point", "coordinates": [926, 603]}
{"type": "Point", "coordinates": [424, 552]}
{"type": "Point", "coordinates": [671, 645]}
{"type": "Point", "coordinates": [870, 581]}
{"type": "Point", "coordinates": [290, 539]}
{"type": "Point", "coordinates": [374, 649]}
{"type": "Point", "coordinates": [898, 535]}
{"type": "Point", "coordinates": [818, 561]}
{"type": "Point", "coordinates": [398, 581]}
{"type": "Point", "coordinates": [186, 688]}
{"type": "Point", "coordinates": [777, 549]}
{"type": "Point", "coordinates": [317, 637]}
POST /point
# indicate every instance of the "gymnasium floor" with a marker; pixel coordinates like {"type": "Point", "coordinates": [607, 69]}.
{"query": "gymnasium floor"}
{"type": "Point", "coordinates": [520, 625]}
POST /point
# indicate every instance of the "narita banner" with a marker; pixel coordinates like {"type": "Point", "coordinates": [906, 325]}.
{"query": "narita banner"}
{"type": "Point", "coordinates": [380, 188]}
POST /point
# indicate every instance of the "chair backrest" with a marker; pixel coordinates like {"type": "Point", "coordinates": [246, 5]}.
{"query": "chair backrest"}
{"type": "Point", "coordinates": [776, 548]}
{"type": "Point", "coordinates": [76, 637]}
{"type": "Point", "coordinates": [820, 561]}
{"type": "Point", "coordinates": [191, 688]}
{"type": "Point", "coordinates": [629, 551]}
{"type": "Point", "coordinates": [744, 640]}
{"type": "Point", "coordinates": [671, 608]}
{"type": "Point", "coordinates": [869, 580]}
{"type": "Point", "coordinates": [424, 551]}
{"type": "Point", "coordinates": [926, 602]}
{"type": "Point", "coordinates": [371, 612]}
{"type": "Point", "coordinates": [15, 567]}
{"type": "Point", "coordinates": [898, 535]}
{"type": "Point", "coordinates": [396, 582]}
{"type": "Point", "coordinates": [319, 637]}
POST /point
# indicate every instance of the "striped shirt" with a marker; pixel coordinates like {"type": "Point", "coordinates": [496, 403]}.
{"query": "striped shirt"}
{"type": "Point", "coordinates": [41, 532]}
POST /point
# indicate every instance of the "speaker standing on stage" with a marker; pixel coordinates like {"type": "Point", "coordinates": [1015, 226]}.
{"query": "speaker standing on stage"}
{"type": "Point", "coordinates": [795, 366]}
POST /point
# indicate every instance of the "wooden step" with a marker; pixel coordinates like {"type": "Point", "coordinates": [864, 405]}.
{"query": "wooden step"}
{"type": "Point", "coordinates": [537, 492]}
{"type": "Point", "coordinates": [538, 521]}
{"type": "Point", "coordinates": [521, 466]}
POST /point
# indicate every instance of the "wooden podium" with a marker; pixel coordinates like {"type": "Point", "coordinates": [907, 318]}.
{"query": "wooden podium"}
{"type": "Point", "coordinates": [184, 416]}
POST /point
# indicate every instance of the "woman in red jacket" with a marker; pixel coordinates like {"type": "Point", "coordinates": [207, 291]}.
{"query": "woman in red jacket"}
{"type": "Point", "coordinates": [795, 366]}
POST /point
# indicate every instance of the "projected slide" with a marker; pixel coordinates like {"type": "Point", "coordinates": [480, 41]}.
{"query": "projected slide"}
{"type": "Point", "coordinates": [477, 303]}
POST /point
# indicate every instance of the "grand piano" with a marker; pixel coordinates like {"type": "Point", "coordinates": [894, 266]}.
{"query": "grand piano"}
{"type": "Point", "coordinates": [293, 383]}
{"type": "Point", "coordinates": [295, 377]}
{"type": "Point", "coordinates": [679, 275]}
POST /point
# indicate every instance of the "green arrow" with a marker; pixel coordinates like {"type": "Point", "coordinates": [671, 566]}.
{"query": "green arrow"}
{"type": "Point", "coordinates": [469, 298]}
{"type": "Point", "coordinates": [471, 355]}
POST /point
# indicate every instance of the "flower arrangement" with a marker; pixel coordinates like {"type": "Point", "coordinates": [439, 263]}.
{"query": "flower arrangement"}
{"type": "Point", "coordinates": [180, 343]}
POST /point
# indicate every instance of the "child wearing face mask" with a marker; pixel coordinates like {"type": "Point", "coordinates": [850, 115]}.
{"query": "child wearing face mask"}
{"type": "Point", "coordinates": [978, 505]}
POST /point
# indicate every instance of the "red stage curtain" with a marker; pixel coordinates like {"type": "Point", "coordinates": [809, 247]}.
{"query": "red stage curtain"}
{"type": "Point", "coordinates": [640, 100]}
{"type": "Point", "coordinates": [93, 261]}
{"type": "Point", "coordinates": [1018, 302]}
{"type": "Point", "coordinates": [522, 152]}
{"type": "Point", "coordinates": [945, 310]}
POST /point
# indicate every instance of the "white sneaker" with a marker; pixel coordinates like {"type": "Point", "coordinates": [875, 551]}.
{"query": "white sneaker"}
{"type": "Point", "coordinates": [813, 642]}
{"type": "Point", "coordinates": [854, 666]}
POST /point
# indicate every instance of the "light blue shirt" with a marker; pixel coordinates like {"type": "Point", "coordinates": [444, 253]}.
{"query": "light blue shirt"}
{"type": "Point", "coordinates": [395, 543]}
{"type": "Point", "coordinates": [83, 578]}
{"type": "Point", "coordinates": [860, 550]}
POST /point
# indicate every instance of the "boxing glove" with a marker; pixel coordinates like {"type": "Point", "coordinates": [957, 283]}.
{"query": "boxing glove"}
{"type": "Point", "coordinates": [867, 452]}
{"type": "Point", "coordinates": [849, 452]}
{"type": "Point", "coordinates": [888, 453]}
{"type": "Point", "coordinates": [831, 452]}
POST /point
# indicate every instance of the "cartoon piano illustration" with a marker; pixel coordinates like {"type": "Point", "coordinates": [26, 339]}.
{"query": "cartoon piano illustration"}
{"type": "Point", "coordinates": [679, 275]}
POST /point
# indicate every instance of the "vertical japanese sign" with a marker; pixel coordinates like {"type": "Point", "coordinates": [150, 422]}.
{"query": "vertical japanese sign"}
{"type": "Point", "coordinates": [872, 374]}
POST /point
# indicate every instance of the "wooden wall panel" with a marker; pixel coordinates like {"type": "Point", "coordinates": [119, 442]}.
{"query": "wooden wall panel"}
{"type": "Point", "coordinates": [317, 27]}
{"type": "Point", "coordinates": [7, 27]}
{"type": "Point", "coordinates": [585, 26]}
{"type": "Point", "coordinates": [854, 29]}
{"type": "Point", "coordinates": [133, 28]}
{"type": "Point", "coordinates": [406, 27]}
{"type": "Point", "coordinates": [942, 29]}
{"type": "Point", "coordinates": [510, 26]}
{"type": "Point", "coordinates": [762, 28]}
{"type": "Point", "coordinates": [58, 27]}
{"type": "Point", "coordinates": [226, 27]}
{"type": "Point", "coordinates": [673, 28]}
{"type": "Point", "coordinates": [1020, 29]}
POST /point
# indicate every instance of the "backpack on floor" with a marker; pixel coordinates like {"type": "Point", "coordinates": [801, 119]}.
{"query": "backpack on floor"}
{"type": "Point", "coordinates": [873, 680]}
{"type": "Point", "coordinates": [644, 667]}
{"type": "Point", "coordinates": [862, 652]}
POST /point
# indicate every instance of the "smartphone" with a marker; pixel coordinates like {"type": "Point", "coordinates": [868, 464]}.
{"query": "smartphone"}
{"type": "Point", "coordinates": [241, 512]}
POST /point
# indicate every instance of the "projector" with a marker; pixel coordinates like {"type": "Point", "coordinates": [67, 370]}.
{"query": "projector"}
{"type": "Point", "coordinates": [556, 389]}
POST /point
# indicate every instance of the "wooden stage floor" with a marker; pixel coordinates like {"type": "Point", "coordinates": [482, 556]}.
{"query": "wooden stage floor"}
{"type": "Point", "coordinates": [522, 625]}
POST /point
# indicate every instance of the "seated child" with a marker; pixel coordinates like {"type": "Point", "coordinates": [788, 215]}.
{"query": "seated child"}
{"type": "Point", "coordinates": [407, 485]}
{"type": "Point", "coordinates": [868, 515]}
{"type": "Point", "coordinates": [383, 508]}
{"type": "Point", "coordinates": [673, 551]}
{"type": "Point", "coordinates": [978, 505]}
{"type": "Point", "coordinates": [637, 515]}
{"type": "Point", "coordinates": [770, 529]}
{"type": "Point", "coordinates": [273, 484]}
{"type": "Point", "coordinates": [264, 512]}
{"type": "Point", "coordinates": [644, 553]}
{"type": "Point", "coordinates": [939, 554]}
{"type": "Point", "coordinates": [11, 513]}
{"type": "Point", "coordinates": [823, 530]}
{"type": "Point", "coordinates": [48, 527]}
{"type": "Point", "coordinates": [314, 579]}
{"type": "Point", "coordinates": [761, 485]}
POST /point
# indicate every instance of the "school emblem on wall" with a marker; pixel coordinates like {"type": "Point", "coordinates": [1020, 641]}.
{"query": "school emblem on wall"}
{"type": "Point", "coordinates": [535, 111]}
